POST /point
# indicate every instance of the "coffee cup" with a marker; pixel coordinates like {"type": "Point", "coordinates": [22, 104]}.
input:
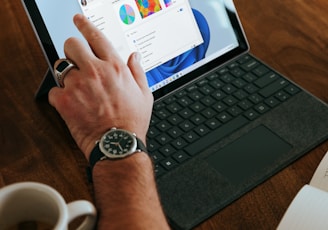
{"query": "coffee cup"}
{"type": "Point", "coordinates": [32, 202]}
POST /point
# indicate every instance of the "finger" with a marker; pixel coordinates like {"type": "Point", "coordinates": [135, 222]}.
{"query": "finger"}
{"type": "Point", "coordinates": [53, 95]}
{"type": "Point", "coordinates": [64, 70]}
{"type": "Point", "coordinates": [96, 39]}
{"type": "Point", "coordinates": [76, 51]}
{"type": "Point", "coordinates": [137, 71]}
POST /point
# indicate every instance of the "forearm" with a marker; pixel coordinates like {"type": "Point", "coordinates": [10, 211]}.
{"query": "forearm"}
{"type": "Point", "coordinates": [126, 194]}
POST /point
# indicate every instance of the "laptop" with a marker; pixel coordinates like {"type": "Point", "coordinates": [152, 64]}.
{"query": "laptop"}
{"type": "Point", "coordinates": [223, 121]}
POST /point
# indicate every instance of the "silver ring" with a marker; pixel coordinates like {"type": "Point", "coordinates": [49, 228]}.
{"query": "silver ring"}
{"type": "Point", "coordinates": [62, 69]}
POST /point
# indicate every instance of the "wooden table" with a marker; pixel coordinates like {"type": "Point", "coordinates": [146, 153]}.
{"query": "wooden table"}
{"type": "Point", "coordinates": [290, 35]}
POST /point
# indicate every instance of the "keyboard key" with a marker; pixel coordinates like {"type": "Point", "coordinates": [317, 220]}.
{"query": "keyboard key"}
{"type": "Point", "coordinates": [175, 119]}
{"type": "Point", "coordinates": [240, 94]}
{"type": "Point", "coordinates": [239, 83]}
{"type": "Point", "coordinates": [244, 59]}
{"type": "Point", "coordinates": [185, 113]}
{"type": "Point", "coordinates": [197, 107]}
{"type": "Point", "coordinates": [186, 126]}
{"type": "Point", "coordinates": [282, 96]}
{"type": "Point", "coordinates": [255, 98]}
{"type": "Point", "coordinates": [206, 90]}
{"type": "Point", "coordinates": [249, 77]}
{"type": "Point", "coordinates": [220, 106]}
{"type": "Point", "coordinates": [234, 111]}
{"type": "Point", "coordinates": [185, 101]}
{"type": "Point", "coordinates": [216, 135]}
{"type": "Point", "coordinates": [208, 101]}
{"type": "Point", "coordinates": [179, 143]}
{"type": "Point", "coordinates": [202, 130]}
{"type": "Point", "coordinates": [274, 87]}
{"type": "Point", "coordinates": [169, 163]}
{"type": "Point", "coordinates": [163, 125]}
{"type": "Point", "coordinates": [233, 65]}
{"type": "Point", "coordinates": [167, 150]}
{"type": "Point", "coordinates": [163, 139]}
{"type": "Point", "coordinates": [224, 117]}
{"type": "Point", "coordinates": [230, 100]}
{"type": "Point", "coordinates": [223, 71]}
{"type": "Point", "coordinates": [159, 105]}
{"type": "Point", "coordinates": [212, 76]}
{"type": "Point", "coordinates": [191, 88]}
{"type": "Point", "coordinates": [216, 83]}
{"type": "Point", "coordinates": [227, 78]}
{"type": "Point", "coordinates": [248, 66]}
{"type": "Point", "coordinates": [181, 93]}
{"type": "Point", "coordinates": [267, 79]}
{"type": "Point", "coordinates": [153, 132]}
{"type": "Point", "coordinates": [237, 72]}
{"type": "Point", "coordinates": [175, 132]}
{"type": "Point", "coordinates": [163, 113]}
{"type": "Point", "coordinates": [180, 157]}
{"type": "Point", "coordinates": [245, 104]}
{"type": "Point", "coordinates": [202, 82]}
{"type": "Point", "coordinates": [154, 119]}
{"type": "Point", "coordinates": [218, 95]}
{"type": "Point", "coordinates": [229, 89]}
{"type": "Point", "coordinates": [169, 100]}
{"type": "Point", "coordinates": [272, 102]}
{"type": "Point", "coordinates": [213, 123]}
{"type": "Point", "coordinates": [156, 156]}
{"type": "Point", "coordinates": [259, 71]}
{"type": "Point", "coordinates": [153, 145]}
{"type": "Point", "coordinates": [159, 170]}
{"type": "Point", "coordinates": [208, 113]}
{"type": "Point", "coordinates": [251, 88]}
{"type": "Point", "coordinates": [191, 136]}
{"type": "Point", "coordinates": [196, 95]}
{"type": "Point", "coordinates": [174, 107]}
{"type": "Point", "coordinates": [291, 89]}
{"type": "Point", "coordinates": [262, 108]}
{"type": "Point", "coordinates": [198, 119]}
{"type": "Point", "coordinates": [251, 114]}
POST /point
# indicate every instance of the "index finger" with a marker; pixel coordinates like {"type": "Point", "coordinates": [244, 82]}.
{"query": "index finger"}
{"type": "Point", "coordinates": [96, 39]}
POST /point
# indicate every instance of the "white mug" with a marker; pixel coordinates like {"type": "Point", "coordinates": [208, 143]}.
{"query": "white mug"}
{"type": "Point", "coordinates": [31, 201]}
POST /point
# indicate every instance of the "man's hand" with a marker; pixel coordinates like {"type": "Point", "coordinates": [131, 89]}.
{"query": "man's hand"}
{"type": "Point", "coordinates": [102, 92]}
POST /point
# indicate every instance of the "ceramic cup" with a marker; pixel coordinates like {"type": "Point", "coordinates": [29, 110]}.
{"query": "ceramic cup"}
{"type": "Point", "coordinates": [34, 202]}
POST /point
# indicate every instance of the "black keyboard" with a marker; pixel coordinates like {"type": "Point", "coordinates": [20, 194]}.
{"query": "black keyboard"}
{"type": "Point", "coordinates": [188, 121]}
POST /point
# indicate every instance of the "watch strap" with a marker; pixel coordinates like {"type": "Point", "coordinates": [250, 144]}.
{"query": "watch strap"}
{"type": "Point", "coordinates": [95, 156]}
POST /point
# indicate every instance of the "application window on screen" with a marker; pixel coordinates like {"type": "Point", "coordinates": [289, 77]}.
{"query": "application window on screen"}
{"type": "Point", "coordinates": [158, 29]}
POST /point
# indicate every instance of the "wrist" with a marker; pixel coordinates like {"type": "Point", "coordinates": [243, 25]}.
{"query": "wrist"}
{"type": "Point", "coordinates": [124, 172]}
{"type": "Point", "coordinates": [129, 186]}
{"type": "Point", "coordinates": [137, 163]}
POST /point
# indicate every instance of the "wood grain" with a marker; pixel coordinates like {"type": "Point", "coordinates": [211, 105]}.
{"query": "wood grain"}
{"type": "Point", "coordinates": [290, 35]}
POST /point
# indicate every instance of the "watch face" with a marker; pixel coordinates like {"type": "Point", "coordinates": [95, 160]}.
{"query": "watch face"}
{"type": "Point", "coordinates": [118, 143]}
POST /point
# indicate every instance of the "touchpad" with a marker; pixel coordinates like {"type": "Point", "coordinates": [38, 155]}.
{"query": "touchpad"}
{"type": "Point", "coordinates": [249, 154]}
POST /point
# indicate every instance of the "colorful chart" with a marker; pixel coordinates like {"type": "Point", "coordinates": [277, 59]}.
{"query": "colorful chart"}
{"type": "Point", "coordinates": [127, 14]}
{"type": "Point", "coordinates": [148, 7]}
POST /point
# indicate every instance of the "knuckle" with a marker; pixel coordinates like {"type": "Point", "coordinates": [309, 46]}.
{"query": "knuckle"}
{"type": "Point", "coordinates": [70, 41]}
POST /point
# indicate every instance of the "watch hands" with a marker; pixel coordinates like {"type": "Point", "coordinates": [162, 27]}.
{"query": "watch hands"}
{"type": "Point", "coordinates": [117, 144]}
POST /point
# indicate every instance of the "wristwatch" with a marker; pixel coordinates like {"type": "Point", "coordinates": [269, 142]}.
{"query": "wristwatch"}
{"type": "Point", "coordinates": [116, 144]}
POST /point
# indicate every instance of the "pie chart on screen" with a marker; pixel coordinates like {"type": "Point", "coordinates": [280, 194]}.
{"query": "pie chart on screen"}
{"type": "Point", "coordinates": [127, 14]}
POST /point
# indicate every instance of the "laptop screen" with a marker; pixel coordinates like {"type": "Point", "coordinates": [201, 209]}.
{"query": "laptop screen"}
{"type": "Point", "coordinates": [177, 39]}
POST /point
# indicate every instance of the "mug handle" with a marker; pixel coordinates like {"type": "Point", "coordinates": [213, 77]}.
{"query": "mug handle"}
{"type": "Point", "coordinates": [81, 208]}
